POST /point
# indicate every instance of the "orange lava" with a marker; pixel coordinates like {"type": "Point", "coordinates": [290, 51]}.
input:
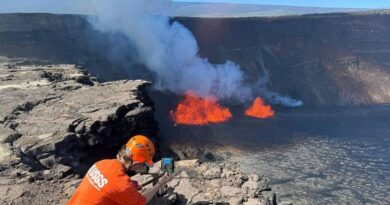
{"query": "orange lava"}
{"type": "Point", "coordinates": [194, 110]}
{"type": "Point", "coordinates": [259, 110]}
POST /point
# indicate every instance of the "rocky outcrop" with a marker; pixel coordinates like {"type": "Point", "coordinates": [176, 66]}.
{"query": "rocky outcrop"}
{"type": "Point", "coordinates": [56, 120]}
{"type": "Point", "coordinates": [214, 183]}
{"type": "Point", "coordinates": [58, 117]}
{"type": "Point", "coordinates": [193, 184]}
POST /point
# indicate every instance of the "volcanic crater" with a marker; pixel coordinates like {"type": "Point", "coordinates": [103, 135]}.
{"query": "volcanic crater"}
{"type": "Point", "coordinates": [334, 146]}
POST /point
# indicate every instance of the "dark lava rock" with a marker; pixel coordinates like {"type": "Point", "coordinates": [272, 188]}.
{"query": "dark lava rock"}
{"type": "Point", "coordinates": [52, 76]}
{"type": "Point", "coordinates": [54, 127]}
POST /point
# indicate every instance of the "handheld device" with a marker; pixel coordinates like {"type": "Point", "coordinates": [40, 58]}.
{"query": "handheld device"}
{"type": "Point", "coordinates": [167, 165]}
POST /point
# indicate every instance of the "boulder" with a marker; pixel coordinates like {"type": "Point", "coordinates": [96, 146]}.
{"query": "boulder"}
{"type": "Point", "coordinates": [254, 177]}
{"type": "Point", "coordinates": [186, 190]}
{"type": "Point", "coordinates": [270, 197]}
{"type": "Point", "coordinates": [264, 185]}
{"type": "Point", "coordinates": [215, 183]}
{"type": "Point", "coordinates": [255, 201]}
{"type": "Point", "coordinates": [174, 183]}
{"type": "Point", "coordinates": [213, 172]}
{"type": "Point", "coordinates": [62, 170]}
{"type": "Point", "coordinates": [227, 173]}
{"type": "Point", "coordinates": [230, 191]}
{"type": "Point", "coordinates": [235, 201]}
{"type": "Point", "coordinates": [187, 163]}
{"type": "Point", "coordinates": [8, 135]}
{"type": "Point", "coordinates": [184, 174]}
{"type": "Point", "coordinates": [250, 187]}
{"type": "Point", "coordinates": [199, 199]}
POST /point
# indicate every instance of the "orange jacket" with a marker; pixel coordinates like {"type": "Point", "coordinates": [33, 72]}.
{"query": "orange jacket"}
{"type": "Point", "coordinates": [106, 183]}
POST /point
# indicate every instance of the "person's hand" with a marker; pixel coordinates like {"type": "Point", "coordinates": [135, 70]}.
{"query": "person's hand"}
{"type": "Point", "coordinates": [139, 187]}
{"type": "Point", "coordinates": [165, 179]}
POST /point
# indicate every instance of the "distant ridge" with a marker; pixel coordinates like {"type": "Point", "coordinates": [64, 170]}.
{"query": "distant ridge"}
{"type": "Point", "coordinates": [190, 9]}
{"type": "Point", "coordinates": [193, 9]}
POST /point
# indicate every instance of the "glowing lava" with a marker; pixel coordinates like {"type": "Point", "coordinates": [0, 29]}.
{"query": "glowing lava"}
{"type": "Point", "coordinates": [194, 110]}
{"type": "Point", "coordinates": [259, 110]}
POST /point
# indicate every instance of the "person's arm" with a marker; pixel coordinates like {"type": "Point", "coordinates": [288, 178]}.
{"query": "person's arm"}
{"type": "Point", "coordinates": [151, 192]}
{"type": "Point", "coordinates": [148, 194]}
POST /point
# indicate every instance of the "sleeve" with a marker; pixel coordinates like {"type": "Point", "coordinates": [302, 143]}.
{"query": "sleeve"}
{"type": "Point", "coordinates": [127, 193]}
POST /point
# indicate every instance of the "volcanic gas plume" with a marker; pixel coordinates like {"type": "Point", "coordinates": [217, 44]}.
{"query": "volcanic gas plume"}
{"type": "Point", "coordinates": [167, 49]}
{"type": "Point", "coordinates": [170, 51]}
{"type": "Point", "coordinates": [259, 110]}
{"type": "Point", "coordinates": [194, 110]}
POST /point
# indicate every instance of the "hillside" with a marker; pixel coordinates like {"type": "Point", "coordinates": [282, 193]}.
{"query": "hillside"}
{"type": "Point", "coordinates": [191, 9]}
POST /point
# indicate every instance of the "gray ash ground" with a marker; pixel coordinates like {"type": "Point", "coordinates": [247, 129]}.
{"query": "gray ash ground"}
{"type": "Point", "coordinates": [324, 171]}
{"type": "Point", "coordinates": [312, 156]}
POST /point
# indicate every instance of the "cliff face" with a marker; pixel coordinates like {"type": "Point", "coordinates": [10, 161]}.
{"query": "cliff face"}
{"type": "Point", "coordinates": [324, 60]}
{"type": "Point", "coordinates": [57, 116]}
{"type": "Point", "coordinates": [65, 39]}
{"type": "Point", "coordinates": [56, 120]}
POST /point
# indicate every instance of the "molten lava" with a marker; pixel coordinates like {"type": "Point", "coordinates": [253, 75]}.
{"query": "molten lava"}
{"type": "Point", "coordinates": [259, 110]}
{"type": "Point", "coordinates": [194, 110]}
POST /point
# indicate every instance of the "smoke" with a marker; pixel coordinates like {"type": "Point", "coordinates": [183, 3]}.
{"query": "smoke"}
{"type": "Point", "coordinates": [168, 50]}
{"type": "Point", "coordinates": [273, 97]}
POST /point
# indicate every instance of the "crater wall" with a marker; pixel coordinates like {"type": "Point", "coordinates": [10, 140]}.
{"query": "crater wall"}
{"type": "Point", "coordinates": [324, 60]}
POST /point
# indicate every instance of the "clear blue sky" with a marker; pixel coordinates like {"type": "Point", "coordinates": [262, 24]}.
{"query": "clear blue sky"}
{"type": "Point", "coordinates": [309, 3]}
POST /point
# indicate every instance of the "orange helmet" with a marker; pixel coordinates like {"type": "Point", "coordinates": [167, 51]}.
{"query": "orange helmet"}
{"type": "Point", "coordinates": [140, 149]}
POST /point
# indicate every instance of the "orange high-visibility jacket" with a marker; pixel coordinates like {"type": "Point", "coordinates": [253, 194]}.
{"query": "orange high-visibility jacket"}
{"type": "Point", "coordinates": [107, 183]}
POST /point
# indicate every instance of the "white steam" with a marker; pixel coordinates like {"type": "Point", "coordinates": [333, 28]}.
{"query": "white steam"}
{"type": "Point", "coordinates": [273, 97]}
{"type": "Point", "coordinates": [169, 50]}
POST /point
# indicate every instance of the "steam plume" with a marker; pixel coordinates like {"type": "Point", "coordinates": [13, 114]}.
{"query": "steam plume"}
{"type": "Point", "coordinates": [167, 49]}
{"type": "Point", "coordinates": [273, 97]}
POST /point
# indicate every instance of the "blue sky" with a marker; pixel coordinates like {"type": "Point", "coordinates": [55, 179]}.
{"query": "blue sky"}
{"type": "Point", "coordinates": [310, 3]}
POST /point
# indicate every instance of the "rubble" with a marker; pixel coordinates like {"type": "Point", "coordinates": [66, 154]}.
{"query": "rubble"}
{"type": "Point", "coordinates": [199, 188]}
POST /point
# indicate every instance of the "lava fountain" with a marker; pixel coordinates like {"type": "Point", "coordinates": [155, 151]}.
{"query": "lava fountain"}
{"type": "Point", "coordinates": [259, 109]}
{"type": "Point", "coordinates": [194, 110]}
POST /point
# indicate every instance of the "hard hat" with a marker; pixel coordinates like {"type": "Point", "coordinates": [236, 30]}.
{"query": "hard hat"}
{"type": "Point", "coordinates": [140, 149]}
